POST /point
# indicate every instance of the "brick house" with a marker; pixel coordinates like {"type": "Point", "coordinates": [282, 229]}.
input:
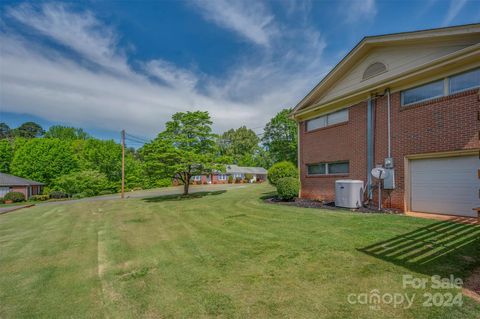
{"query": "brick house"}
{"type": "Point", "coordinates": [11, 183]}
{"type": "Point", "coordinates": [257, 173]}
{"type": "Point", "coordinates": [409, 102]}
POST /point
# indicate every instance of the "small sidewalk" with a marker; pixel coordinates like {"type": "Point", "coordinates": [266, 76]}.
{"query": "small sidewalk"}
{"type": "Point", "coordinates": [453, 218]}
{"type": "Point", "coordinates": [4, 210]}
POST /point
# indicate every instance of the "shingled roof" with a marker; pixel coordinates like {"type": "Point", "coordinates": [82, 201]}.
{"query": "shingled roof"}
{"type": "Point", "coordinates": [11, 180]}
{"type": "Point", "coordinates": [232, 169]}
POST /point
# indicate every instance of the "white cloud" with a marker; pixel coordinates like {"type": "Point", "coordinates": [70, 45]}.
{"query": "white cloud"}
{"type": "Point", "coordinates": [250, 19]}
{"type": "Point", "coordinates": [357, 10]}
{"type": "Point", "coordinates": [41, 80]}
{"type": "Point", "coordinates": [453, 10]}
{"type": "Point", "coordinates": [82, 33]}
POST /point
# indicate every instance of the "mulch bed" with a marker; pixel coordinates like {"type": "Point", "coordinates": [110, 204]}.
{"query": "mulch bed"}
{"type": "Point", "coordinates": [308, 203]}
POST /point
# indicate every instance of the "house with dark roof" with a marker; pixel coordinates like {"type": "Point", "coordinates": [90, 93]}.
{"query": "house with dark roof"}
{"type": "Point", "coordinates": [11, 183]}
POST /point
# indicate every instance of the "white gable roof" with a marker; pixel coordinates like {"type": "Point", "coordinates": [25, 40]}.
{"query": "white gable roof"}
{"type": "Point", "coordinates": [400, 53]}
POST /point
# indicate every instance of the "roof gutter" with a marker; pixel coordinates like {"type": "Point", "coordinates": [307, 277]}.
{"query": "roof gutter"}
{"type": "Point", "coordinates": [472, 51]}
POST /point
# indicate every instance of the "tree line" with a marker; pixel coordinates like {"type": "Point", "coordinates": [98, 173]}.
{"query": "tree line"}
{"type": "Point", "coordinates": [68, 159]}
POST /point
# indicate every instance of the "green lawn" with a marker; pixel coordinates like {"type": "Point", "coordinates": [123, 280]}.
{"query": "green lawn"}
{"type": "Point", "coordinates": [224, 254]}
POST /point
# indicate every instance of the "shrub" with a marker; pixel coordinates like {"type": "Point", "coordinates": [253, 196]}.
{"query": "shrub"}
{"type": "Point", "coordinates": [39, 198]}
{"type": "Point", "coordinates": [89, 182]}
{"type": "Point", "coordinates": [238, 180]}
{"type": "Point", "coordinates": [287, 188]}
{"type": "Point", "coordinates": [230, 179]}
{"type": "Point", "coordinates": [57, 194]}
{"type": "Point", "coordinates": [280, 170]}
{"type": "Point", "coordinates": [248, 177]}
{"type": "Point", "coordinates": [14, 197]}
{"type": "Point", "coordinates": [1, 200]}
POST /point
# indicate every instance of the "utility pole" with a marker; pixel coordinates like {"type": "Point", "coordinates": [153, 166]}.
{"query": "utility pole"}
{"type": "Point", "coordinates": [123, 164]}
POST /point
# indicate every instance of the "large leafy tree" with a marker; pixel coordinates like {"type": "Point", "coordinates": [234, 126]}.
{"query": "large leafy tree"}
{"type": "Point", "coordinates": [6, 155]}
{"type": "Point", "coordinates": [241, 145]}
{"type": "Point", "coordinates": [5, 131]}
{"type": "Point", "coordinates": [66, 133]}
{"type": "Point", "coordinates": [43, 159]}
{"type": "Point", "coordinates": [186, 148]}
{"type": "Point", "coordinates": [280, 137]}
{"type": "Point", "coordinates": [103, 156]}
{"type": "Point", "coordinates": [29, 130]}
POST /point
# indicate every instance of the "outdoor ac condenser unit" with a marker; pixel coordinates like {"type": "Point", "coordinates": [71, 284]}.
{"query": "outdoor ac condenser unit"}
{"type": "Point", "coordinates": [348, 193]}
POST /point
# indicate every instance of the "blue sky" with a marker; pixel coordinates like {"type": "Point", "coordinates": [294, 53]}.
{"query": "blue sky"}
{"type": "Point", "coordinates": [105, 66]}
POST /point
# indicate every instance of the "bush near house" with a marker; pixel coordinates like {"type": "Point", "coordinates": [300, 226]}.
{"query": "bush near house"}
{"type": "Point", "coordinates": [84, 183]}
{"type": "Point", "coordinates": [238, 180]}
{"type": "Point", "coordinates": [57, 194]}
{"type": "Point", "coordinates": [39, 198]}
{"type": "Point", "coordinates": [287, 188]}
{"type": "Point", "coordinates": [280, 170]}
{"type": "Point", "coordinates": [230, 179]}
{"type": "Point", "coordinates": [15, 197]}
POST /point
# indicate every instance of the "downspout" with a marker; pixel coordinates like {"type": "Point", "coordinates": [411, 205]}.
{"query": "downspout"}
{"type": "Point", "coordinates": [389, 125]}
{"type": "Point", "coordinates": [369, 147]}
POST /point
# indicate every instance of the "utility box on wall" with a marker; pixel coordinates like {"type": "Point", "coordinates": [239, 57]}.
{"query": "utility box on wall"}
{"type": "Point", "coordinates": [389, 180]}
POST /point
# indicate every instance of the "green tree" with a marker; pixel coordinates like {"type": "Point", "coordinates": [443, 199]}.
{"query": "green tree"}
{"type": "Point", "coordinates": [186, 148]}
{"type": "Point", "coordinates": [29, 130]}
{"type": "Point", "coordinates": [6, 155]}
{"type": "Point", "coordinates": [238, 143]}
{"type": "Point", "coordinates": [66, 133]}
{"type": "Point", "coordinates": [5, 131]}
{"type": "Point", "coordinates": [88, 182]}
{"type": "Point", "coordinates": [103, 156]}
{"type": "Point", "coordinates": [280, 137]}
{"type": "Point", "coordinates": [43, 159]}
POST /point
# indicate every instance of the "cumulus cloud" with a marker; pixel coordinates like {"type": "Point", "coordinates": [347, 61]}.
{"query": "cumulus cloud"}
{"type": "Point", "coordinates": [93, 85]}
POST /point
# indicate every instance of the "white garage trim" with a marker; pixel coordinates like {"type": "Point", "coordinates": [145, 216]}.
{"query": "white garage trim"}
{"type": "Point", "coordinates": [408, 168]}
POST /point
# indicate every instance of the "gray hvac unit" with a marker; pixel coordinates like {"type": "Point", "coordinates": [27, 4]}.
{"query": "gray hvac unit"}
{"type": "Point", "coordinates": [348, 193]}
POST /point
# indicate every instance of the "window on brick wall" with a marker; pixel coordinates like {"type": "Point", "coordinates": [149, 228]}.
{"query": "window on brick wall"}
{"type": "Point", "coordinates": [197, 178]}
{"type": "Point", "coordinates": [464, 81]}
{"type": "Point", "coordinates": [331, 168]}
{"type": "Point", "coordinates": [327, 120]}
{"type": "Point", "coordinates": [423, 93]}
{"type": "Point", "coordinates": [450, 85]}
{"type": "Point", "coordinates": [222, 177]}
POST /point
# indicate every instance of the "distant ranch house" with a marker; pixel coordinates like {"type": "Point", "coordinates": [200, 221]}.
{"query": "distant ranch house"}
{"type": "Point", "coordinates": [254, 174]}
{"type": "Point", "coordinates": [11, 183]}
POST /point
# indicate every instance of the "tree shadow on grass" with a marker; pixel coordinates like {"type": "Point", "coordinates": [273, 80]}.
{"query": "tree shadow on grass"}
{"type": "Point", "coordinates": [442, 248]}
{"type": "Point", "coordinates": [180, 197]}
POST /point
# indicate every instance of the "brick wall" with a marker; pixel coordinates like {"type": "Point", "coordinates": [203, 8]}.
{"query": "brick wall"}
{"type": "Point", "coordinates": [444, 124]}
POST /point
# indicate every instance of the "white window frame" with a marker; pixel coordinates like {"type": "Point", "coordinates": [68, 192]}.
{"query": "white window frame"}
{"type": "Point", "coordinates": [197, 178]}
{"type": "Point", "coordinates": [222, 177]}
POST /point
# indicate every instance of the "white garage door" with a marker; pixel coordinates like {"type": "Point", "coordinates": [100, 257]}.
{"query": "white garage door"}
{"type": "Point", "coordinates": [448, 185]}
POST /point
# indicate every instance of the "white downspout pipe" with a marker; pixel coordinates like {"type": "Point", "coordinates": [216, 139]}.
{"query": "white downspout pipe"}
{"type": "Point", "coordinates": [389, 124]}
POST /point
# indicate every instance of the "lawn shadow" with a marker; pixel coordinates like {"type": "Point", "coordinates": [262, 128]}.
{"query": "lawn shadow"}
{"type": "Point", "coordinates": [180, 197]}
{"type": "Point", "coordinates": [442, 248]}
{"type": "Point", "coordinates": [268, 195]}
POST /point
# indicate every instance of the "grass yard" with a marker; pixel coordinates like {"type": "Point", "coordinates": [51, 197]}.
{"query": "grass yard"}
{"type": "Point", "coordinates": [224, 254]}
